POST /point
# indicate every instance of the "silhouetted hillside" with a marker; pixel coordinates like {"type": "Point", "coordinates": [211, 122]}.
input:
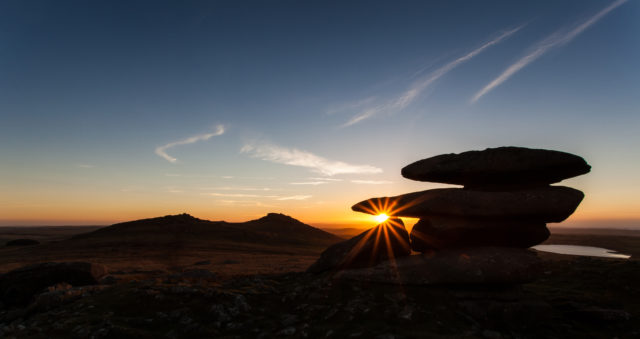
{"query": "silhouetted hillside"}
{"type": "Point", "coordinates": [285, 228]}
{"type": "Point", "coordinates": [272, 229]}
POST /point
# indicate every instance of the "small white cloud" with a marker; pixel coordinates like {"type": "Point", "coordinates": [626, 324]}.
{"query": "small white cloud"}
{"type": "Point", "coordinates": [311, 183]}
{"type": "Point", "coordinates": [295, 157]}
{"type": "Point", "coordinates": [371, 182]}
{"type": "Point", "coordinates": [242, 203]}
{"type": "Point", "coordinates": [295, 197]}
{"type": "Point", "coordinates": [233, 195]}
{"type": "Point", "coordinates": [236, 188]}
{"type": "Point", "coordinates": [162, 150]}
{"type": "Point", "coordinates": [325, 179]}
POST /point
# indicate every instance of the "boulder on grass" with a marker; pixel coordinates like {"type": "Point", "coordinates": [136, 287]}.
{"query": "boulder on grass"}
{"type": "Point", "coordinates": [18, 287]}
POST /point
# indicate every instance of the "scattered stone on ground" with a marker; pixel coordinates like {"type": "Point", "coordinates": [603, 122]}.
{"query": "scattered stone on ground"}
{"type": "Point", "coordinates": [577, 301]}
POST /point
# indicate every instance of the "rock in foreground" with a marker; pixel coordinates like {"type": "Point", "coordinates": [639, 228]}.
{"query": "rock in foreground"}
{"type": "Point", "coordinates": [387, 240]}
{"type": "Point", "coordinates": [478, 265]}
{"type": "Point", "coordinates": [545, 204]}
{"type": "Point", "coordinates": [446, 232]}
{"type": "Point", "coordinates": [17, 287]}
{"type": "Point", "coordinates": [496, 167]}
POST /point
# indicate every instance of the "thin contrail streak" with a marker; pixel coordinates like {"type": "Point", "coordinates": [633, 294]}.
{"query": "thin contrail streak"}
{"type": "Point", "coordinates": [407, 97]}
{"type": "Point", "coordinates": [556, 39]}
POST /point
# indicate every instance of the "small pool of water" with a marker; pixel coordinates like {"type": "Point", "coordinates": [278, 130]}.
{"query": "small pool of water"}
{"type": "Point", "coordinates": [581, 250]}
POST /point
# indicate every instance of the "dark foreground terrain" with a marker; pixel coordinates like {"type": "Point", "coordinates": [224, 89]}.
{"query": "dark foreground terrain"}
{"type": "Point", "coordinates": [577, 298]}
{"type": "Point", "coordinates": [212, 297]}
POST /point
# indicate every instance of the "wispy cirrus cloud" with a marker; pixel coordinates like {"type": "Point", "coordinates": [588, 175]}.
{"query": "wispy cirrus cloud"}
{"type": "Point", "coordinates": [243, 203]}
{"type": "Point", "coordinates": [295, 197]}
{"type": "Point", "coordinates": [315, 181]}
{"type": "Point", "coordinates": [325, 179]}
{"type": "Point", "coordinates": [407, 97]}
{"type": "Point", "coordinates": [556, 39]}
{"type": "Point", "coordinates": [254, 196]}
{"type": "Point", "coordinates": [236, 188]}
{"type": "Point", "coordinates": [296, 157]}
{"type": "Point", "coordinates": [233, 195]}
{"type": "Point", "coordinates": [351, 105]}
{"type": "Point", "coordinates": [371, 182]}
{"type": "Point", "coordinates": [162, 150]}
{"type": "Point", "coordinates": [310, 183]}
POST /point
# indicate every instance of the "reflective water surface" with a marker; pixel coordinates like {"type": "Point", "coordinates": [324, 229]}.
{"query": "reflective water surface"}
{"type": "Point", "coordinates": [581, 250]}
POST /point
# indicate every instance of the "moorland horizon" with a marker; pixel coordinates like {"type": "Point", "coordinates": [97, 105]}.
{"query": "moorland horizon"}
{"type": "Point", "coordinates": [367, 222]}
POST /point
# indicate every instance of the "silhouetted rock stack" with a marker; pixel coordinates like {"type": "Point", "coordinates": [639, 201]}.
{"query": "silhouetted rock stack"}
{"type": "Point", "coordinates": [504, 205]}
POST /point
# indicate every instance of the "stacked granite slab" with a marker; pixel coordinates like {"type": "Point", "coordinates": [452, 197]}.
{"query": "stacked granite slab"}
{"type": "Point", "coordinates": [478, 233]}
{"type": "Point", "coordinates": [506, 201]}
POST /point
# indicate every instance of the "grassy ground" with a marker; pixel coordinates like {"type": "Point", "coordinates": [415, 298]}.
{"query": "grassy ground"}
{"type": "Point", "coordinates": [577, 298]}
{"type": "Point", "coordinates": [262, 292]}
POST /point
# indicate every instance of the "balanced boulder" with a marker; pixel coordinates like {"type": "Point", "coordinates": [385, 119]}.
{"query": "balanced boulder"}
{"type": "Point", "coordinates": [546, 204]}
{"type": "Point", "coordinates": [388, 240]}
{"type": "Point", "coordinates": [433, 233]}
{"type": "Point", "coordinates": [495, 167]}
{"type": "Point", "coordinates": [475, 234]}
{"type": "Point", "coordinates": [18, 287]}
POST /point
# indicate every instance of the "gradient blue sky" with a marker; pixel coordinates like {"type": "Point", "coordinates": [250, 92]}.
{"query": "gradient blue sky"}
{"type": "Point", "coordinates": [261, 103]}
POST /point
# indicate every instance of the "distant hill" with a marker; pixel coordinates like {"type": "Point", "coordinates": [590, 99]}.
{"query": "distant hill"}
{"type": "Point", "coordinates": [271, 230]}
{"type": "Point", "coordinates": [272, 243]}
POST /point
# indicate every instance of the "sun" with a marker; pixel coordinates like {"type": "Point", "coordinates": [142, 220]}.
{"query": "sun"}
{"type": "Point", "coordinates": [381, 217]}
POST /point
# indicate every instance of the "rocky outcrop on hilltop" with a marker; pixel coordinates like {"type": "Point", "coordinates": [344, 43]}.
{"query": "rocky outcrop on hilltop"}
{"type": "Point", "coordinates": [478, 233]}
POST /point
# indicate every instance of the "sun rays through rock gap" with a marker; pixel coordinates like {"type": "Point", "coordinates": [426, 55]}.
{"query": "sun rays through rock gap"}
{"type": "Point", "coordinates": [384, 240]}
